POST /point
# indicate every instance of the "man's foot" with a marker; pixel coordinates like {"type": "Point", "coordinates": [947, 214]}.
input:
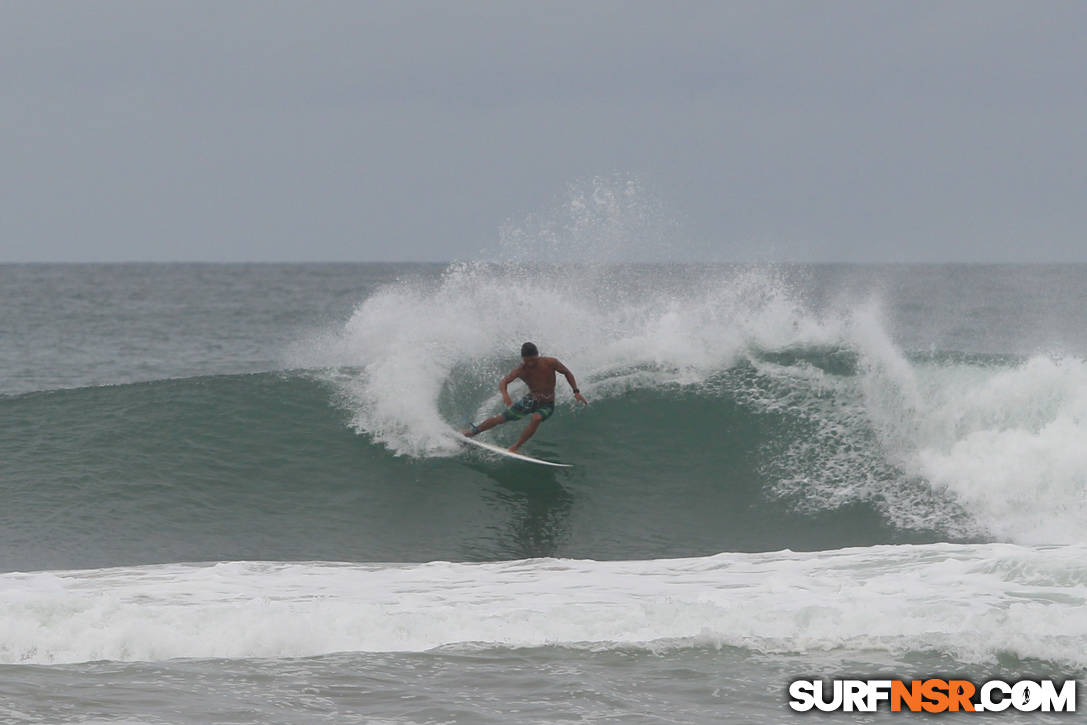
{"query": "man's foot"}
{"type": "Point", "coordinates": [513, 449]}
{"type": "Point", "coordinates": [470, 432]}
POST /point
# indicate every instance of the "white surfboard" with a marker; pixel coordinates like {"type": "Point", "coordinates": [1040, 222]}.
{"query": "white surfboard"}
{"type": "Point", "coordinates": [503, 452]}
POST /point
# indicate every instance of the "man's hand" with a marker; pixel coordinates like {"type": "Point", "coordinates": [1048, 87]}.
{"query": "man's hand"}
{"type": "Point", "coordinates": [581, 398]}
{"type": "Point", "coordinates": [507, 399]}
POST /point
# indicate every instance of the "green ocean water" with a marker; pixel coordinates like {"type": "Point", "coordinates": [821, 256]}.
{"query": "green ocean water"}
{"type": "Point", "coordinates": [247, 473]}
{"type": "Point", "coordinates": [260, 466]}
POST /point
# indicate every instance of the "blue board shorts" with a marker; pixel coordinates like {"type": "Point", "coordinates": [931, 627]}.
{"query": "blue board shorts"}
{"type": "Point", "coordinates": [527, 406]}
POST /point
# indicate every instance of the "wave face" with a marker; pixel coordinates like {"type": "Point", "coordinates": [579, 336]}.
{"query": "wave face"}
{"type": "Point", "coordinates": [725, 370]}
{"type": "Point", "coordinates": [262, 466]}
{"type": "Point", "coordinates": [732, 409]}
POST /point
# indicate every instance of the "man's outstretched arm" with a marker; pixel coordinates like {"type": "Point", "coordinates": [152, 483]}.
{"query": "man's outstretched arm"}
{"type": "Point", "coordinates": [559, 367]}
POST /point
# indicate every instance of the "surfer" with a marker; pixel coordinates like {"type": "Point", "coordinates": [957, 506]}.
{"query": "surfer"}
{"type": "Point", "coordinates": [539, 374]}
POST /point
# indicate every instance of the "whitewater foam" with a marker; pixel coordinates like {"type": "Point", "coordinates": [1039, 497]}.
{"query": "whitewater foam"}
{"type": "Point", "coordinates": [970, 602]}
{"type": "Point", "coordinates": [1008, 444]}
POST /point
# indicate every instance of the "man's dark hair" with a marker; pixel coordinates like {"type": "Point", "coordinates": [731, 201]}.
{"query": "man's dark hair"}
{"type": "Point", "coordinates": [529, 350]}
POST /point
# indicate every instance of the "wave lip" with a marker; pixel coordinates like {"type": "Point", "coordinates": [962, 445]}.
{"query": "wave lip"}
{"type": "Point", "coordinates": [972, 602]}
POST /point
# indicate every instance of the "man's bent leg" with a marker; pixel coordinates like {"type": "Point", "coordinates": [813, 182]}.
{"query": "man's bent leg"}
{"type": "Point", "coordinates": [527, 433]}
{"type": "Point", "coordinates": [485, 425]}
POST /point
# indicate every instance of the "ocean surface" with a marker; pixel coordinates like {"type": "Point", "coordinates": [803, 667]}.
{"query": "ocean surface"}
{"type": "Point", "coordinates": [231, 493]}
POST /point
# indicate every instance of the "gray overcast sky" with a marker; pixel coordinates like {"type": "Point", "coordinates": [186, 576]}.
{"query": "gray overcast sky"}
{"type": "Point", "coordinates": [283, 131]}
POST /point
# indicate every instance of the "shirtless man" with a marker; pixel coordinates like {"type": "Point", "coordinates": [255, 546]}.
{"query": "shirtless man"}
{"type": "Point", "coordinates": [539, 374]}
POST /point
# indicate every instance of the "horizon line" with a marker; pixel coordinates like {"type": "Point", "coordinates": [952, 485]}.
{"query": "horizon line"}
{"type": "Point", "coordinates": [226, 263]}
